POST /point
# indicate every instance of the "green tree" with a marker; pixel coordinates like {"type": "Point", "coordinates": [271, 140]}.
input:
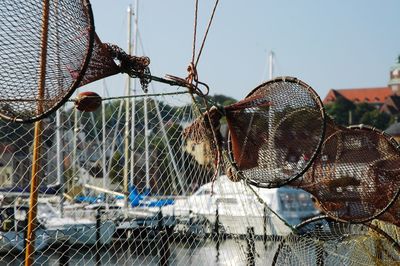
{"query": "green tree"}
{"type": "Point", "coordinates": [116, 172]}
{"type": "Point", "coordinates": [360, 110]}
{"type": "Point", "coordinates": [377, 119]}
{"type": "Point", "coordinates": [339, 110]}
{"type": "Point", "coordinates": [223, 100]}
{"type": "Point", "coordinates": [362, 113]}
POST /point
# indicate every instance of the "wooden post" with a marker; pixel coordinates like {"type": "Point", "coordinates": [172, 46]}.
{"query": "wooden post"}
{"type": "Point", "coordinates": [215, 234]}
{"type": "Point", "coordinates": [265, 227]}
{"type": "Point", "coordinates": [98, 244]}
{"type": "Point", "coordinates": [251, 248]}
{"type": "Point", "coordinates": [216, 224]}
{"type": "Point", "coordinates": [32, 213]}
{"type": "Point", "coordinates": [163, 249]}
{"type": "Point", "coordinates": [63, 260]}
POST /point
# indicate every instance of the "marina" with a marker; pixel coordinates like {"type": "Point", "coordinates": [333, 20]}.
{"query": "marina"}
{"type": "Point", "coordinates": [199, 216]}
{"type": "Point", "coordinates": [229, 253]}
{"type": "Point", "coordinates": [104, 162]}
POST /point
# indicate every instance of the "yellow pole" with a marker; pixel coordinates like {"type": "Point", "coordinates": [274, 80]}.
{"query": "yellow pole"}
{"type": "Point", "coordinates": [30, 236]}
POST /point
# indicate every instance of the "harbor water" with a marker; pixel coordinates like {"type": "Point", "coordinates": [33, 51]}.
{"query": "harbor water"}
{"type": "Point", "coordinates": [228, 252]}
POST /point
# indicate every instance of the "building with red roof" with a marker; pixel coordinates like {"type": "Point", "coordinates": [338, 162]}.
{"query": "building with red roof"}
{"type": "Point", "coordinates": [375, 96]}
{"type": "Point", "coordinates": [387, 99]}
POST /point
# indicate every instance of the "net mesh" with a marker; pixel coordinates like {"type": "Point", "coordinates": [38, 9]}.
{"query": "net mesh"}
{"type": "Point", "coordinates": [120, 193]}
{"type": "Point", "coordinates": [356, 175]}
{"type": "Point", "coordinates": [69, 43]}
{"type": "Point", "coordinates": [103, 63]}
{"type": "Point", "coordinates": [276, 137]}
{"type": "Point", "coordinates": [325, 242]}
{"type": "Point", "coordinates": [83, 217]}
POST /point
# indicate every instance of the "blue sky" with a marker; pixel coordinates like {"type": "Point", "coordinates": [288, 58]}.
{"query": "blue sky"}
{"type": "Point", "coordinates": [327, 44]}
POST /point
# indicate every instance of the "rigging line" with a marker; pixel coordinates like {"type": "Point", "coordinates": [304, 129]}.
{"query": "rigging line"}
{"type": "Point", "coordinates": [193, 75]}
{"type": "Point", "coordinates": [140, 40]}
{"type": "Point", "coordinates": [137, 95]}
{"type": "Point", "coordinates": [262, 201]}
{"type": "Point", "coordinates": [207, 30]}
{"type": "Point", "coordinates": [196, 9]}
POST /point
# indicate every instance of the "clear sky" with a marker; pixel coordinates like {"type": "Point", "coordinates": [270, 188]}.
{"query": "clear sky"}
{"type": "Point", "coordinates": [327, 44]}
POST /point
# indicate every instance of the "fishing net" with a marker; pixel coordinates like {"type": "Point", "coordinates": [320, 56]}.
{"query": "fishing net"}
{"type": "Point", "coordinates": [69, 45]}
{"type": "Point", "coordinates": [392, 214]}
{"type": "Point", "coordinates": [355, 178]}
{"type": "Point", "coordinates": [275, 132]}
{"type": "Point", "coordinates": [74, 56]}
{"type": "Point", "coordinates": [103, 64]}
{"type": "Point", "coordinates": [82, 217]}
{"type": "Point", "coordinates": [320, 241]}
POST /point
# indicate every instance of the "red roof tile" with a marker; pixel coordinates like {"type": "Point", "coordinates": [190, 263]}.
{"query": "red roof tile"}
{"type": "Point", "coordinates": [370, 95]}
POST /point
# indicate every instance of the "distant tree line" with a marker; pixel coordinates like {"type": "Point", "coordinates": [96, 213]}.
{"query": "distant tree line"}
{"type": "Point", "coordinates": [345, 112]}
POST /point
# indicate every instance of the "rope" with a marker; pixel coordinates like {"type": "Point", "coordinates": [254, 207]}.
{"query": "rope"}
{"type": "Point", "coordinates": [261, 200]}
{"type": "Point", "coordinates": [192, 81]}
{"type": "Point", "coordinates": [136, 96]}
{"type": "Point", "coordinates": [196, 9]}
{"type": "Point", "coordinates": [192, 70]}
{"type": "Point", "coordinates": [207, 30]}
{"type": "Point", "coordinates": [258, 197]}
{"type": "Point", "coordinates": [103, 99]}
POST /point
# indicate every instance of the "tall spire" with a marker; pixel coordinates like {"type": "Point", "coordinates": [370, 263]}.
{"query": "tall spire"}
{"type": "Point", "coordinates": [394, 82]}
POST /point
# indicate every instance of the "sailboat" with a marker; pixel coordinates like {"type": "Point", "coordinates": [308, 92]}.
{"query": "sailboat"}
{"type": "Point", "coordinates": [238, 207]}
{"type": "Point", "coordinates": [13, 220]}
{"type": "Point", "coordinates": [72, 223]}
{"type": "Point", "coordinates": [78, 226]}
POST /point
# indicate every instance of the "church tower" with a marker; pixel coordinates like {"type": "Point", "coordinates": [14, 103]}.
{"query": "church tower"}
{"type": "Point", "coordinates": [394, 82]}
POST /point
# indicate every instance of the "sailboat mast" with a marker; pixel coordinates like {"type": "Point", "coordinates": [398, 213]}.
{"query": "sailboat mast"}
{"type": "Point", "coordinates": [146, 119]}
{"type": "Point", "coordinates": [271, 65]}
{"type": "Point", "coordinates": [60, 164]}
{"type": "Point", "coordinates": [104, 139]}
{"type": "Point", "coordinates": [127, 107]}
{"type": "Point", "coordinates": [146, 142]}
{"type": "Point", "coordinates": [135, 41]}
{"type": "Point", "coordinates": [74, 151]}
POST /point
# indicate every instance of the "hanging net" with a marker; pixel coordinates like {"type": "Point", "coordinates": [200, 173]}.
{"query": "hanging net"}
{"type": "Point", "coordinates": [275, 132]}
{"type": "Point", "coordinates": [356, 177]}
{"type": "Point", "coordinates": [69, 45]}
{"type": "Point", "coordinates": [325, 242]}
{"type": "Point", "coordinates": [103, 64]}
{"type": "Point", "coordinates": [81, 192]}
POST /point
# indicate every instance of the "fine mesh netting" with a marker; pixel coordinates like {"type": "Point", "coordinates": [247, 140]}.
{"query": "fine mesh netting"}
{"type": "Point", "coordinates": [356, 175]}
{"type": "Point", "coordinates": [325, 242]}
{"type": "Point", "coordinates": [276, 138]}
{"type": "Point", "coordinates": [83, 217]}
{"type": "Point", "coordinates": [122, 186]}
{"type": "Point", "coordinates": [102, 64]}
{"type": "Point", "coordinates": [274, 133]}
{"type": "Point", "coordinates": [69, 43]}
